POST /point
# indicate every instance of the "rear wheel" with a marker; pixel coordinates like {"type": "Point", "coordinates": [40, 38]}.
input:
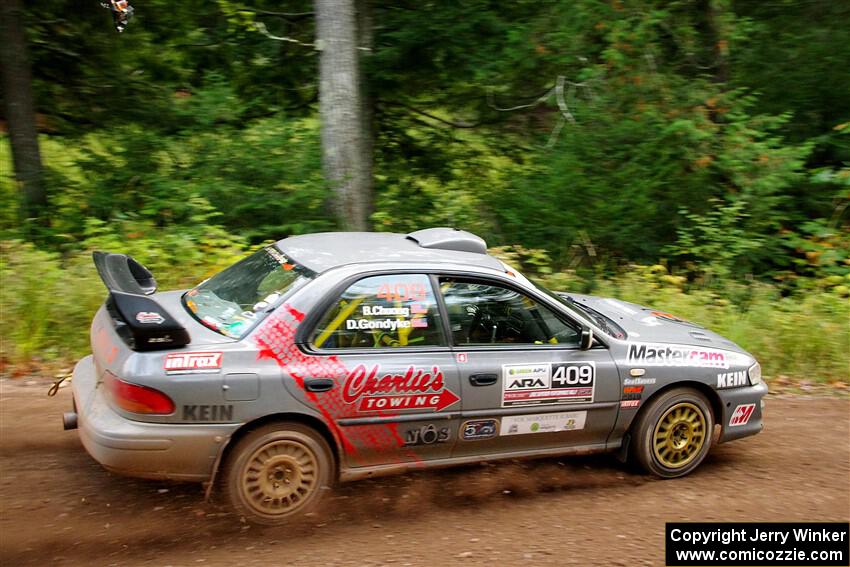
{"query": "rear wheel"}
{"type": "Point", "coordinates": [277, 472]}
{"type": "Point", "coordinates": [672, 435]}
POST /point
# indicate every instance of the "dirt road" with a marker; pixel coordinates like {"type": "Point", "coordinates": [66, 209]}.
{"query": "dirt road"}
{"type": "Point", "coordinates": [57, 506]}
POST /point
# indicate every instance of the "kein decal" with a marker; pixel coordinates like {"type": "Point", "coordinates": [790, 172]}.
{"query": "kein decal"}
{"type": "Point", "coordinates": [207, 413]}
{"type": "Point", "coordinates": [732, 379]}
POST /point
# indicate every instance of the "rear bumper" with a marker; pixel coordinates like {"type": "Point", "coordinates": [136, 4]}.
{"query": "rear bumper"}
{"type": "Point", "coordinates": [739, 399]}
{"type": "Point", "coordinates": [134, 448]}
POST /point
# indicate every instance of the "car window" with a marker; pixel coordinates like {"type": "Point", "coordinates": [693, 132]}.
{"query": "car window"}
{"type": "Point", "coordinates": [235, 299]}
{"type": "Point", "coordinates": [382, 311]}
{"type": "Point", "coordinates": [483, 313]}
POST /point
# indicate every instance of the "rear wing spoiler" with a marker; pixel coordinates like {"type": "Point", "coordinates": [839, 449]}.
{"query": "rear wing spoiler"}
{"type": "Point", "coordinates": [139, 319]}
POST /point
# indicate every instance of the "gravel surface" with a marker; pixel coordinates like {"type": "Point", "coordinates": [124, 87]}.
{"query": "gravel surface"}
{"type": "Point", "coordinates": [59, 507]}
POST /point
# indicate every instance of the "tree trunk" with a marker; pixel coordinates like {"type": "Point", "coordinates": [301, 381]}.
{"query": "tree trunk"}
{"type": "Point", "coordinates": [346, 158]}
{"type": "Point", "coordinates": [20, 113]}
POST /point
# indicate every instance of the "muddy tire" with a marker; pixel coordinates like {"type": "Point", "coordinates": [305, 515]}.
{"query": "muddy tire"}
{"type": "Point", "coordinates": [672, 435]}
{"type": "Point", "coordinates": [277, 472]}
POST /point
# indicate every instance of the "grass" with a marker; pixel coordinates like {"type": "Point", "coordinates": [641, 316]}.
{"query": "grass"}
{"type": "Point", "coordinates": [47, 303]}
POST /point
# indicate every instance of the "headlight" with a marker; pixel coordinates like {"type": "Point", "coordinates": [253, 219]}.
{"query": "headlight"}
{"type": "Point", "coordinates": [754, 372]}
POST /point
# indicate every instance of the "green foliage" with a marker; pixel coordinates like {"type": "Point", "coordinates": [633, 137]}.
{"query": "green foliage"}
{"type": "Point", "coordinates": [714, 135]}
{"type": "Point", "coordinates": [805, 335]}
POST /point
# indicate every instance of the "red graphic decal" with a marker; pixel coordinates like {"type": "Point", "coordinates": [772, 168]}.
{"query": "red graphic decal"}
{"type": "Point", "coordinates": [358, 390]}
{"type": "Point", "coordinates": [104, 346]}
{"type": "Point", "coordinates": [633, 389]}
{"type": "Point", "coordinates": [742, 415]}
{"type": "Point", "coordinates": [629, 403]}
{"type": "Point", "coordinates": [462, 357]}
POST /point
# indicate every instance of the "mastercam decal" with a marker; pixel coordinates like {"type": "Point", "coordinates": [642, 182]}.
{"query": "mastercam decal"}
{"type": "Point", "coordinates": [545, 383]}
{"type": "Point", "coordinates": [653, 354]}
{"type": "Point", "coordinates": [542, 423]}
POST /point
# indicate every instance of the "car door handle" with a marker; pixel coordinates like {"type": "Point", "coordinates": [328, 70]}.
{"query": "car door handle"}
{"type": "Point", "coordinates": [483, 379]}
{"type": "Point", "coordinates": [319, 384]}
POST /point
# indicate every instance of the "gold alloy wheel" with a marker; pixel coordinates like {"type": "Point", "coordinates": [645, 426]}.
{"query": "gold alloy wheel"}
{"type": "Point", "coordinates": [280, 477]}
{"type": "Point", "coordinates": [679, 435]}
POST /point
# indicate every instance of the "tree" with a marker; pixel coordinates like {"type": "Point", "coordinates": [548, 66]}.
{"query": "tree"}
{"type": "Point", "coordinates": [346, 157]}
{"type": "Point", "coordinates": [20, 113]}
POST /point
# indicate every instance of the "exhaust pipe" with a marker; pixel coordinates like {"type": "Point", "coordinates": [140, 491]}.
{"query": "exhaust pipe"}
{"type": "Point", "coordinates": [69, 420]}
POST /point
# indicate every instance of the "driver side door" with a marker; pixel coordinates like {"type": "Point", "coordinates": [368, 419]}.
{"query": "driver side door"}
{"type": "Point", "coordinates": [525, 382]}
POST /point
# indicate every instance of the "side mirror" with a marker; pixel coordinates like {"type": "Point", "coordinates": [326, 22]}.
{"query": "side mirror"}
{"type": "Point", "coordinates": [586, 338]}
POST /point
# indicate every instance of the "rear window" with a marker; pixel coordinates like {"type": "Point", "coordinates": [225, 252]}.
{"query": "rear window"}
{"type": "Point", "coordinates": [234, 300]}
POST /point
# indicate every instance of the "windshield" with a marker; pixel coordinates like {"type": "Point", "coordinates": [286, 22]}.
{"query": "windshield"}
{"type": "Point", "coordinates": [233, 300]}
{"type": "Point", "coordinates": [605, 323]}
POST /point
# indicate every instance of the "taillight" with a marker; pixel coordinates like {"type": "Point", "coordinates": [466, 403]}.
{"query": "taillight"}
{"type": "Point", "coordinates": [137, 399]}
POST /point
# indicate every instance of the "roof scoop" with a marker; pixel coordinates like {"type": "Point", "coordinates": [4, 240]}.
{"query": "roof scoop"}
{"type": "Point", "coordinates": [444, 238]}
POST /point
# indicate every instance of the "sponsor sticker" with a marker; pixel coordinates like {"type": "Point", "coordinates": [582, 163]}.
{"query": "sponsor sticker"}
{"type": "Point", "coordinates": [416, 388]}
{"type": "Point", "coordinates": [732, 379]}
{"type": "Point", "coordinates": [543, 423]}
{"type": "Point", "coordinates": [427, 435]}
{"type": "Point", "coordinates": [638, 381]}
{"type": "Point", "coordinates": [381, 311]}
{"type": "Point", "coordinates": [742, 415]}
{"type": "Point", "coordinates": [193, 362]}
{"type": "Point", "coordinates": [625, 404]}
{"type": "Point", "coordinates": [478, 429]}
{"type": "Point", "coordinates": [548, 383]}
{"type": "Point", "coordinates": [207, 413]}
{"type": "Point", "coordinates": [371, 325]}
{"type": "Point", "coordinates": [149, 318]}
{"type": "Point", "coordinates": [653, 354]}
{"type": "Point", "coordinates": [462, 357]}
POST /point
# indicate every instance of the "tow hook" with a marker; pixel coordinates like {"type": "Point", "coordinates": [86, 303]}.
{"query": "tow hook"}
{"type": "Point", "coordinates": [69, 420]}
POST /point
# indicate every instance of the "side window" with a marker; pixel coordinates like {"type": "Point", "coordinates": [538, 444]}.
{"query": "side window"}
{"type": "Point", "coordinates": [484, 313]}
{"type": "Point", "coordinates": [382, 311]}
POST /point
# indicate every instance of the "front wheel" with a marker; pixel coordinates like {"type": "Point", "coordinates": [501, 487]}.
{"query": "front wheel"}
{"type": "Point", "coordinates": [276, 472]}
{"type": "Point", "coordinates": [673, 434]}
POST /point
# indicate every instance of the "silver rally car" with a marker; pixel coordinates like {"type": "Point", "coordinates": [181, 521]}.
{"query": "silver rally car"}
{"type": "Point", "coordinates": [339, 356]}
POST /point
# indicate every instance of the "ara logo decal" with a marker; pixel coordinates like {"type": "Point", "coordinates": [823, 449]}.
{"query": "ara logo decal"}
{"type": "Point", "coordinates": [526, 376]}
{"type": "Point", "coordinates": [548, 383]}
{"type": "Point", "coordinates": [413, 389]}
